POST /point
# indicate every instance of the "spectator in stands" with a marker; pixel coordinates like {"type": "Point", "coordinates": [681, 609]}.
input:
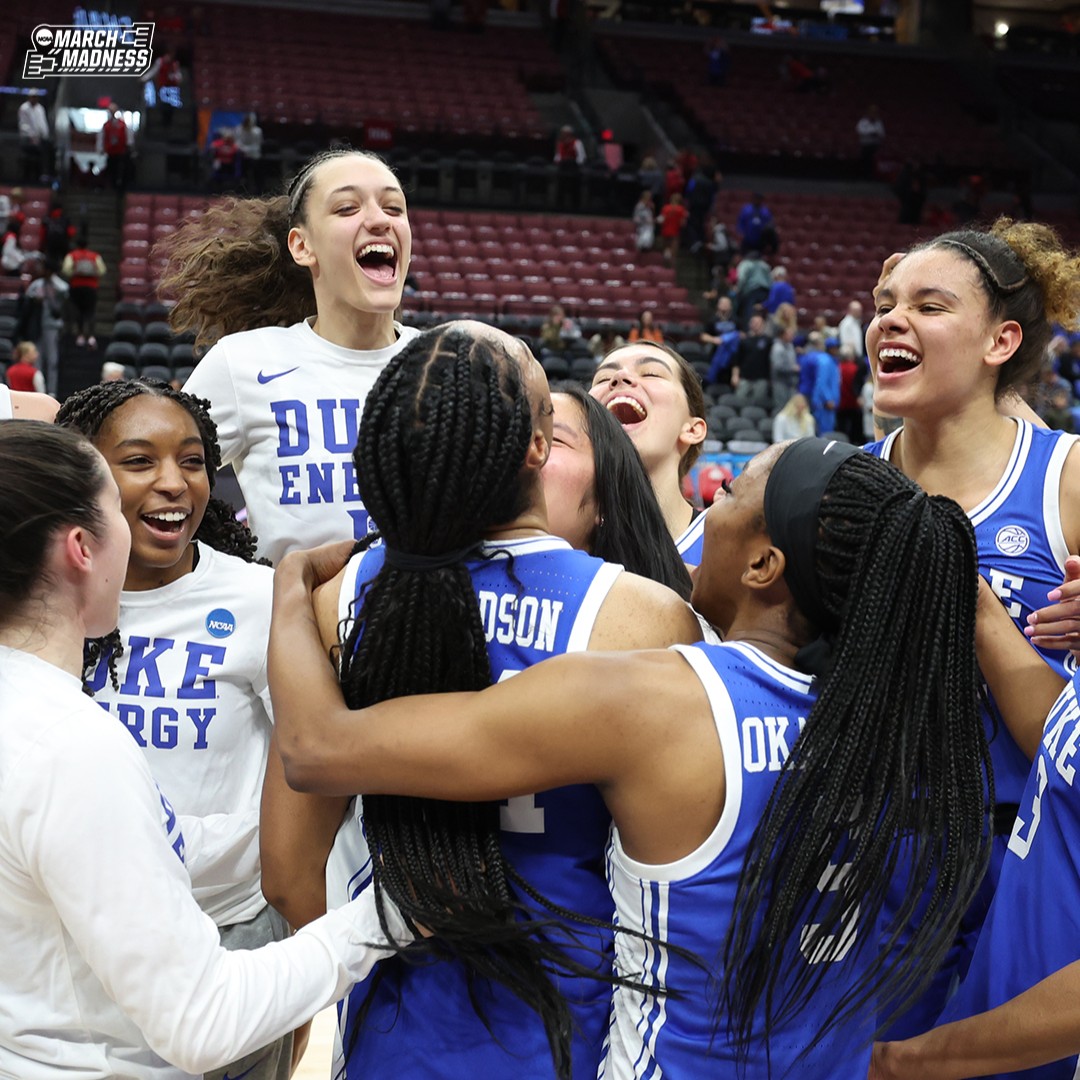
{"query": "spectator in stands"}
{"type": "Point", "coordinates": [752, 284]}
{"type": "Point", "coordinates": [112, 372]}
{"type": "Point", "coordinates": [784, 367]}
{"type": "Point", "coordinates": [802, 77]}
{"type": "Point", "coordinates": [249, 140]}
{"type": "Point", "coordinates": [751, 371]}
{"type": "Point", "coordinates": [719, 61]}
{"type": "Point", "coordinates": [604, 340]}
{"type": "Point", "coordinates": [558, 330]}
{"type": "Point", "coordinates": [646, 329]}
{"type": "Point", "coordinates": [23, 373]}
{"type": "Point", "coordinates": [719, 250]}
{"type": "Point", "coordinates": [723, 335]}
{"type": "Point", "coordinates": [1059, 414]}
{"type": "Point", "coordinates": [569, 149]}
{"type": "Point", "coordinates": [757, 231]}
{"type": "Point", "coordinates": [870, 130]}
{"type": "Point", "coordinates": [910, 189]}
{"type": "Point", "coordinates": [34, 142]}
{"type": "Point", "coordinates": [1048, 385]}
{"type": "Point", "coordinates": [866, 403]}
{"type": "Point", "coordinates": [224, 161]}
{"type": "Point", "coordinates": [644, 219]}
{"type": "Point", "coordinates": [651, 176]}
{"type": "Point", "coordinates": [785, 317]}
{"type": "Point", "coordinates": [849, 413]}
{"type": "Point", "coordinates": [674, 181]}
{"type": "Point", "coordinates": [672, 219]}
{"type": "Point", "coordinates": [14, 215]}
{"type": "Point", "coordinates": [780, 292]}
{"type": "Point", "coordinates": [57, 233]}
{"type": "Point", "coordinates": [699, 195]}
{"type": "Point", "coordinates": [49, 291]}
{"type": "Point", "coordinates": [84, 268]}
{"type": "Point", "coordinates": [825, 396]}
{"type": "Point", "coordinates": [611, 151]}
{"type": "Point", "coordinates": [115, 142]}
{"type": "Point", "coordinates": [808, 362]}
{"type": "Point", "coordinates": [851, 332]}
{"type": "Point", "coordinates": [12, 257]}
{"type": "Point", "coordinates": [793, 421]}
{"type": "Point", "coordinates": [821, 325]}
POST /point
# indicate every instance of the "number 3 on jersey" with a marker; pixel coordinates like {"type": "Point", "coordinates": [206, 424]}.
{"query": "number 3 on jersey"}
{"type": "Point", "coordinates": [520, 814]}
{"type": "Point", "coordinates": [1021, 845]}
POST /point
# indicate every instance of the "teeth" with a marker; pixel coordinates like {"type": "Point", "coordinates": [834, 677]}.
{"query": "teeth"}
{"type": "Point", "coordinates": [627, 401]}
{"type": "Point", "coordinates": [898, 354]}
{"type": "Point", "coordinates": [171, 515]}
{"type": "Point", "coordinates": [376, 249]}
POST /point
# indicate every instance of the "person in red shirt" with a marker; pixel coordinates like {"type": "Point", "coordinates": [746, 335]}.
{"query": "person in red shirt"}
{"type": "Point", "coordinates": [84, 268]}
{"type": "Point", "coordinates": [23, 373]}
{"type": "Point", "coordinates": [115, 143]}
{"type": "Point", "coordinates": [672, 219]}
{"type": "Point", "coordinates": [225, 166]}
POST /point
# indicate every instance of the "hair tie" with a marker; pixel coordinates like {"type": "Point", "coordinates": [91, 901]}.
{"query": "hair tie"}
{"type": "Point", "coordinates": [792, 507]}
{"type": "Point", "coordinates": [407, 560]}
{"type": "Point", "coordinates": [987, 271]}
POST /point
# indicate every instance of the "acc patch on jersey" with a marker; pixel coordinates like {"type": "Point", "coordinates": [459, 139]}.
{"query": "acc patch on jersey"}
{"type": "Point", "coordinates": [1012, 540]}
{"type": "Point", "coordinates": [221, 622]}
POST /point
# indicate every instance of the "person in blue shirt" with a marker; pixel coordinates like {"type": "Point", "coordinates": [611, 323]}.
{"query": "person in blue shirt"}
{"type": "Point", "coordinates": [780, 292]}
{"type": "Point", "coordinates": [755, 225]}
{"type": "Point", "coordinates": [825, 392]}
{"type": "Point", "coordinates": [756, 786]}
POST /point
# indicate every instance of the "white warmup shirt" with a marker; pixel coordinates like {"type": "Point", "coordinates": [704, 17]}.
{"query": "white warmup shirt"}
{"type": "Point", "coordinates": [110, 970]}
{"type": "Point", "coordinates": [194, 697]}
{"type": "Point", "coordinates": [287, 405]}
{"type": "Point", "coordinates": [6, 412]}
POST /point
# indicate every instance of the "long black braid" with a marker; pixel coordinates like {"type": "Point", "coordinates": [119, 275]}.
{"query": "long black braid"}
{"type": "Point", "coordinates": [891, 767]}
{"type": "Point", "coordinates": [87, 410]}
{"type": "Point", "coordinates": [438, 461]}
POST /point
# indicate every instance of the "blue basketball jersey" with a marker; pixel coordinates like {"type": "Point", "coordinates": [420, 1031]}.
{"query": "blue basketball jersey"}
{"type": "Point", "coordinates": [1033, 928]}
{"type": "Point", "coordinates": [538, 598]}
{"type": "Point", "coordinates": [759, 707]}
{"type": "Point", "coordinates": [689, 545]}
{"type": "Point", "coordinates": [1022, 552]}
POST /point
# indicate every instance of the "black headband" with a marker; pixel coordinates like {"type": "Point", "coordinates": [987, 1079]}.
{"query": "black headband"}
{"type": "Point", "coordinates": [406, 560]}
{"type": "Point", "coordinates": [792, 505]}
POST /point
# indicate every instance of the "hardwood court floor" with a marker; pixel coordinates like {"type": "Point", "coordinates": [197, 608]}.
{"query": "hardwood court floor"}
{"type": "Point", "coordinates": [320, 1051]}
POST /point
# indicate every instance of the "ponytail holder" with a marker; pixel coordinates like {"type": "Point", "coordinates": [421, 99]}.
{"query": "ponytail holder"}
{"type": "Point", "coordinates": [406, 560]}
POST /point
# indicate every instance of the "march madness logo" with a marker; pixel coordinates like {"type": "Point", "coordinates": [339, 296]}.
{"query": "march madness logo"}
{"type": "Point", "coordinates": [90, 50]}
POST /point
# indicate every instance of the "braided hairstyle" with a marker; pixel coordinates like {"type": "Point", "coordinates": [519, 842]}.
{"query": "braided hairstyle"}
{"type": "Point", "coordinates": [891, 768]}
{"type": "Point", "coordinates": [439, 463]}
{"type": "Point", "coordinates": [1026, 275]}
{"type": "Point", "coordinates": [231, 269]}
{"type": "Point", "coordinates": [86, 411]}
{"type": "Point", "coordinates": [631, 529]}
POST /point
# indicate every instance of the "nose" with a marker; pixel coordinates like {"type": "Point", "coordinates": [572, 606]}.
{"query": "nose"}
{"type": "Point", "coordinates": [376, 218]}
{"type": "Point", "coordinates": [623, 374]}
{"type": "Point", "coordinates": [170, 479]}
{"type": "Point", "coordinates": [893, 319]}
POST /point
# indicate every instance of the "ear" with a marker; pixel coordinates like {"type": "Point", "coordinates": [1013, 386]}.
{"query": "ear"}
{"type": "Point", "coordinates": [299, 249]}
{"type": "Point", "coordinates": [1006, 340]}
{"type": "Point", "coordinates": [693, 431]}
{"type": "Point", "coordinates": [765, 568]}
{"type": "Point", "coordinates": [539, 449]}
{"type": "Point", "coordinates": [76, 550]}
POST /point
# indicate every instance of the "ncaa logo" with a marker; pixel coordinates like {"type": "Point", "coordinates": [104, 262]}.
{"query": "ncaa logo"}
{"type": "Point", "coordinates": [1012, 540]}
{"type": "Point", "coordinates": [221, 622]}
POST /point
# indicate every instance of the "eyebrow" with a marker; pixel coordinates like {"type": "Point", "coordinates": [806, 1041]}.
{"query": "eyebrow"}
{"type": "Point", "coordinates": [559, 426]}
{"type": "Point", "coordinates": [638, 363]}
{"type": "Point", "coordinates": [928, 290]}
{"type": "Point", "coordinates": [359, 190]}
{"type": "Point", "coordinates": [148, 442]}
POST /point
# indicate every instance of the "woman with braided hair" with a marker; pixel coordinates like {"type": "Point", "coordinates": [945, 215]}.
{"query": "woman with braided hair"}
{"type": "Point", "coordinates": [185, 673]}
{"type": "Point", "coordinates": [298, 294]}
{"type": "Point", "coordinates": [467, 588]}
{"type": "Point", "coordinates": [961, 322]}
{"type": "Point", "coordinates": [757, 787]}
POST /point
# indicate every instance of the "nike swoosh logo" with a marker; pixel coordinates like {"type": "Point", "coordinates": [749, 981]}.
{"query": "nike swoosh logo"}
{"type": "Point", "coordinates": [265, 379]}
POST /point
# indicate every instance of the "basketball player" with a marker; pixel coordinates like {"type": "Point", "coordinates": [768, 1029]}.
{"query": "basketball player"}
{"type": "Point", "coordinates": [186, 674]}
{"type": "Point", "coordinates": [322, 271]}
{"type": "Point", "coordinates": [470, 478]}
{"type": "Point", "coordinates": [960, 322]}
{"type": "Point", "coordinates": [110, 968]}
{"type": "Point", "coordinates": [20, 405]}
{"type": "Point", "coordinates": [736, 836]}
{"type": "Point", "coordinates": [656, 395]}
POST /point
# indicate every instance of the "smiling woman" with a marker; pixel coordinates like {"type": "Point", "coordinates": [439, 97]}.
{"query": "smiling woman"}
{"type": "Point", "coordinates": [656, 396]}
{"type": "Point", "coordinates": [304, 288]}
{"type": "Point", "coordinates": [960, 321]}
{"type": "Point", "coordinates": [186, 671]}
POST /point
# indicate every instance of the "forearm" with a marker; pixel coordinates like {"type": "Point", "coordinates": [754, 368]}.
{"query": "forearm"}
{"type": "Point", "coordinates": [1039, 1026]}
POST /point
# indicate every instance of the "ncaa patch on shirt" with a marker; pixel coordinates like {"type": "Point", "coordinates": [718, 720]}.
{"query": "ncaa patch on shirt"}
{"type": "Point", "coordinates": [1012, 540]}
{"type": "Point", "coordinates": [221, 622]}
